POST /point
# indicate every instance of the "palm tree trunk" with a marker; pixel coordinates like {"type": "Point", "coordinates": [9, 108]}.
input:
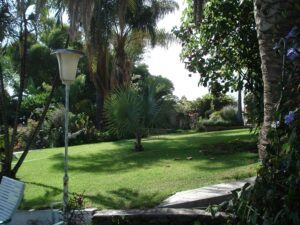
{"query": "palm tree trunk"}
{"type": "Point", "coordinates": [122, 63]}
{"type": "Point", "coordinates": [100, 77]}
{"type": "Point", "coordinates": [99, 110]}
{"type": "Point", "coordinates": [271, 24]}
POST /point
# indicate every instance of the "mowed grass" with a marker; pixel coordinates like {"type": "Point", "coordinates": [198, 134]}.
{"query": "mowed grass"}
{"type": "Point", "coordinates": [111, 175]}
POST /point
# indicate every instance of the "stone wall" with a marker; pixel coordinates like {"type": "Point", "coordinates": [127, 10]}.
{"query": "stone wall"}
{"type": "Point", "coordinates": [158, 216]}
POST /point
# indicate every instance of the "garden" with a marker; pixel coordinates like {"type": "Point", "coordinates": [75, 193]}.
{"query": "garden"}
{"type": "Point", "coordinates": [84, 121]}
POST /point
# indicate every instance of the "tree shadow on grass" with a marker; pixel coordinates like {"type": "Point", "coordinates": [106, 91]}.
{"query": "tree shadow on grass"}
{"type": "Point", "coordinates": [122, 198]}
{"type": "Point", "coordinates": [156, 152]}
{"type": "Point", "coordinates": [43, 201]}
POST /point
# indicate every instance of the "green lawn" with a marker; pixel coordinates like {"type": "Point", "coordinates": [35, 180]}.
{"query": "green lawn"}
{"type": "Point", "coordinates": [111, 175]}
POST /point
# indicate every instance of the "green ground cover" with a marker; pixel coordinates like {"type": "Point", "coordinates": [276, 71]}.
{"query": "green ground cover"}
{"type": "Point", "coordinates": [111, 175]}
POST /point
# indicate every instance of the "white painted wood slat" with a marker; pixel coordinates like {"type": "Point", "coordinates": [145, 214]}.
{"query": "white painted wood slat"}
{"type": "Point", "coordinates": [11, 193]}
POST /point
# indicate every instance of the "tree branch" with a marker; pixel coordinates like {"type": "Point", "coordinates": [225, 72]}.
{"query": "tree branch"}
{"type": "Point", "coordinates": [37, 128]}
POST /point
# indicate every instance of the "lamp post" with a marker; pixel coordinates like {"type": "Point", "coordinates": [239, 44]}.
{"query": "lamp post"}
{"type": "Point", "coordinates": [67, 63]}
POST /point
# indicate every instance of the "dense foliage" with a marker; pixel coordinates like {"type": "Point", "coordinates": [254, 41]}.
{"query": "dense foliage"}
{"type": "Point", "coordinates": [275, 197]}
{"type": "Point", "coordinates": [223, 49]}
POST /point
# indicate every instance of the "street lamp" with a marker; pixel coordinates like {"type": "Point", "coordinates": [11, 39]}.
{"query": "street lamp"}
{"type": "Point", "coordinates": [67, 63]}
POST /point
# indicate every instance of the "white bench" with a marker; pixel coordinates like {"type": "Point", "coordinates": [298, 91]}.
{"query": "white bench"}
{"type": "Point", "coordinates": [11, 193]}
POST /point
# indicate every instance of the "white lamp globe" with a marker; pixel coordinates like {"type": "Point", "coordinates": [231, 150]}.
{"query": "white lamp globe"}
{"type": "Point", "coordinates": [67, 63]}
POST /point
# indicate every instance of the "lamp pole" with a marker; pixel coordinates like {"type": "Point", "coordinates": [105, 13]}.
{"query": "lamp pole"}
{"type": "Point", "coordinates": [67, 63]}
{"type": "Point", "coordinates": [66, 177]}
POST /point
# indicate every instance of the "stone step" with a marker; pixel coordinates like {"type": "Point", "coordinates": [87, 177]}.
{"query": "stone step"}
{"type": "Point", "coordinates": [205, 196]}
{"type": "Point", "coordinates": [161, 216]}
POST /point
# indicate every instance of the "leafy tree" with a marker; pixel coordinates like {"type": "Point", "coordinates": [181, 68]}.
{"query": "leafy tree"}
{"type": "Point", "coordinates": [141, 71]}
{"type": "Point", "coordinates": [223, 48]}
{"type": "Point", "coordinates": [23, 23]}
{"type": "Point", "coordinates": [209, 103]}
{"type": "Point", "coordinates": [22, 27]}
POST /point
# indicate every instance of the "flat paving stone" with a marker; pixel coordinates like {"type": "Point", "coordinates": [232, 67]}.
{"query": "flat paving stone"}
{"type": "Point", "coordinates": [205, 196]}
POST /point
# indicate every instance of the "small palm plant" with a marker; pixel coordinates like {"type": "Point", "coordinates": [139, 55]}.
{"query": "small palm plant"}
{"type": "Point", "coordinates": [134, 110]}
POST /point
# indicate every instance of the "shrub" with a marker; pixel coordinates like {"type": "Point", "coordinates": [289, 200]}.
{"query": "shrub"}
{"type": "Point", "coordinates": [24, 133]}
{"type": "Point", "coordinates": [229, 113]}
{"type": "Point", "coordinates": [203, 125]}
{"type": "Point", "coordinates": [101, 136]}
{"type": "Point", "coordinates": [222, 101]}
{"type": "Point", "coordinates": [214, 122]}
{"type": "Point", "coordinates": [215, 116]}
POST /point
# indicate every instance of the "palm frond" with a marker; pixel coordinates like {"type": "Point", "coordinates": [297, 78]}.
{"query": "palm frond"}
{"type": "Point", "coordinates": [162, 38]}
{"type": "Point", "coordinates": [164, 7]}
{"type": "Point", "coordinates": [40, 4]}
{"type": "Point", "coordinates": [123, 111]}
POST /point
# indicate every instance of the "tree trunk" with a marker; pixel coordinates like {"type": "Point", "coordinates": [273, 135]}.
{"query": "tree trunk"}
{"type": "Point", "coordinates": [239, 112]}
{"type": "Point", "coordinates": [8, 151]}
{"type": "Point", "coordinates": [274, 18]}
{"type": "Point", "coordinates": [138, 145]}
{"type": "Point", "coordinates": [198, 10]}
{"type": "Point", "coordinates": [4, 164]}
{"type": "Point", "coordinates": [100, 77]}
{"type": "Point", "coordinates": [122, 62]}
{"type": "Point", "coordinates": [99, 110]}
{"type": "Point", "coordinates": [36, 129]}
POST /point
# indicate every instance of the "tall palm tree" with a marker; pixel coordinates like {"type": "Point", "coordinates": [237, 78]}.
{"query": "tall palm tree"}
{"type": "Point", "coordinates": [114, 23]}
{"type": "Point", "coordinates": [136, 16]}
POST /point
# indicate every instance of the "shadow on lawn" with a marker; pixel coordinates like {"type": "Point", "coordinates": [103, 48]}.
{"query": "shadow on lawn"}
{"type": "Point", "coordinates": [122, 198]}
{"type": "Point", "coordinates": [156, 152]}
{"type": "Point", "coordinates": [44, 200]}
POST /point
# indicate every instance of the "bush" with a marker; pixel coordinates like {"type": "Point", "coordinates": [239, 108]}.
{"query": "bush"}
{"type": "Point", "coordinates": [101, 136]}
{"type": "Point", "coordinates": [215, 116]}
{"type": "Point", "coordinates": [214, 122]}
{"type": "Point", "coordinates": [204, 125]}
{"type": "Point", "coordinates": [220, 102]}
{"type": "Point", "coordinates": [229, 113]}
